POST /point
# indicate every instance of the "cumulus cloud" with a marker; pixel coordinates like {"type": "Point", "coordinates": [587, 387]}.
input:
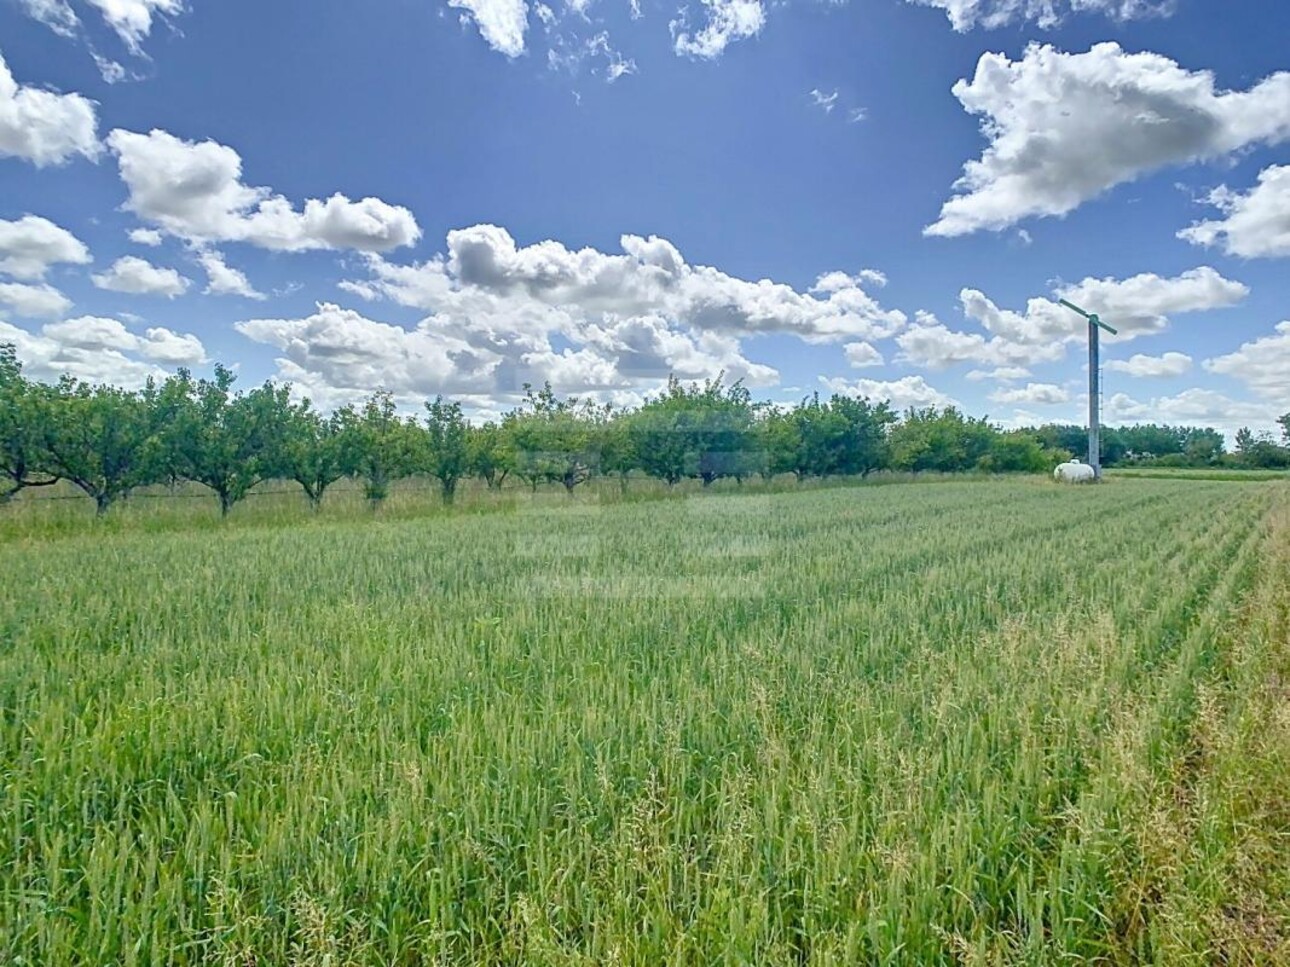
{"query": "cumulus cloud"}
{"type": "Point", "coordinates": [1140, 366]}
{"type": "Point", "coordinates": [1043, 394]}
{"type": "Point", "coordinates": [727, 21]}
{"type": "Point", "coordinates": [194, 190]}
{"type": "Point", "coordinates": [499, 314]}
{"type": "Point", "coordinates": [57, 15]}
{"type": "Point", "coordinates": [966, 14]}
{"type": "Point", "coordinates": [30, 245]}
{"type": "Point", "coordinates": [1256, 224]}
{"type": "Point", "coordinates": [223, 279]}
{"type": "Point", "coordinates": [1141, 305]}
{"type": "Point", "coordinates": [338, 355]}
{"type": "Point", "coordinates": [1192, 407]}
{"type": "Point", "coordinates": [140, 277]}
{"type": "Point", "coordinates": [861, 355]}
{"type": "Point", "coordinates": [502, 23]}
{"type": "Point", "coordinates": [1137, 306]}
{"type": "Point", "coordinates": [1262, 364]}
{"type": "Point", "coordinates": [100, 350]}
{"type": "Point", "coordinates": [146, 236]}
{"type": "Point", "coordinates": [999, 373]}
{"type": "Point", "coordinates": [44, 127]}
{"type": "Point", "coordinates": [157, 344]}
{"type": "Point", "coordinates": [34, 301]}
{"type": "Point", "coordinates": [901, 393]}
{"type": "Point", "coordinates": [651, 277]}
{"type": "Point", "coordinates": [1063, 128]}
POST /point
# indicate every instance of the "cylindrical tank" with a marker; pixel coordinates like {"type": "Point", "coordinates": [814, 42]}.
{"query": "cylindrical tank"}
{"type": "Point", "coordinates": [1074, 472]}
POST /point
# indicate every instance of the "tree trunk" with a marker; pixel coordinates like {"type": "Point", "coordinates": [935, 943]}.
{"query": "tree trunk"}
{"type": "Point", "coordinates": [101, 504]}
{"type": "Point", "coordinates": [225, 503]}
{"type": "Point", "coordinates": [449, 486]}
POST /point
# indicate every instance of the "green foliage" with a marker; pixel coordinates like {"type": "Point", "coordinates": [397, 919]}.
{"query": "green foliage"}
{"type": "Point", "coordinates": [22, 415]}
{"type": "Point", "coordinates": [312, 451]}
{"type": "Point", "coordinates": [945, 441]}
{"type": "Point", "coordinates": [490, 454]}
{"type": "Point", "coordinates": [447, 456]}
{"type": "Point", "coordinates": [706, 432]}
{"type": "Point", "coordinates": [377, 446]}
{"type": "Point", "coordinates": [96, 437]}
{"type": "Point", "coordinates": [1139, 445]}
{"type": "Point", "coordinates": [204, 431]}
{"type": "Point", "coordinates": [618, 453]}
{"type": "Point", "coordinates": [554, 440]}
{"type": "Point", "coordinates": [1260, 451]}
{"type": "Point", "coordinates": [227, 440]}
{"type": "Point", "coordinates": [1018, 452]}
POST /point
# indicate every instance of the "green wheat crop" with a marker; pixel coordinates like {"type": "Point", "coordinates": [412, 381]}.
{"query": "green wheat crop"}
{"type": "Point", "coordinates": [909, 724]}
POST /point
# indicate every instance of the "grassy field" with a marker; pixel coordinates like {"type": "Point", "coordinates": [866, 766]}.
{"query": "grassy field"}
{"type": "Point", "coordinates": [988, 722]}
{"type": "Point", "coordinates": [1230, 474]}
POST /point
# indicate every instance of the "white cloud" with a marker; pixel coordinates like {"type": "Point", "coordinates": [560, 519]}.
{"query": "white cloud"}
{"type": "Point", "coordinates": [34, 301]}
{"type": "Point", "coordinates": [31, 244]}
{"type": "Point", "coordinates": [1141, 305]}
{"type": "Point", "coordinates": [1192, 407]}
{"type": "Point", "coordinates": [1256, 224]}
{"type": "Point", "coordinates": [194, 190]}
{"type": "Point", "coordinates": [728, 21]}
{"type": "Point", "coordinates": [901, 393]}
{"type": "Point", "coordinates": [861, 355]}
{"type": "Point", "coordinates": [547, 280]}
{"type": "Point", "coordinates": [132, 19]}
{"type": "Point", "coordinates": [500, 314]}
{"type": "Point", "coordinates": [140, 277]}
{"type": "Point", "coordinates": [337, 355]}
{"type": "Point", "coordinates": [569, 54]}
{"type": "Point", "coordinates": [822, 100]}
{"type": "Point", "coordinates": [1001, 373]}
{"type": "Point", "coordinates": [110, 70]}
{"type": "Point", "coordinates": [502, 23]}
{"type": "Point", "coordinates": [44, 127]}
{"type": "Point", "coordinates": [223, 279]}
{"type": "Point", "coordinates": [1263, 365]}
{"type": "Point", "coordinates": [1063, 128]}
{"type": "Point", "coordinates": [966, 14]}
{"type": "Point", "coordinates": [1042, 394]}
{"type": "Point", "coordinates": [57, 15]}
{"type": "Point", "coordinates": [936, 346]}
{"type": "Point", "coordinates": [100, 350]}
{"type": "Point", "coordinates": [146, 236]}
{"type": "Point", "coordinates": [857, 114]}
{"type": "Point", "coordinates": [1137, 306]}
{"type": "Point", "coordinates": [97, 332]}
{"type": "Point", "coordinates": [1140, 366]}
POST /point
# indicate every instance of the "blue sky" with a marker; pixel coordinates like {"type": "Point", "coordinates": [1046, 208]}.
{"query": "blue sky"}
{"type": "Point", "coordinates": [428, 198]}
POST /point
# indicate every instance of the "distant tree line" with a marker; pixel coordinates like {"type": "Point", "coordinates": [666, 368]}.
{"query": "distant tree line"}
{"type": "Point", "coordinates": [107, 441]}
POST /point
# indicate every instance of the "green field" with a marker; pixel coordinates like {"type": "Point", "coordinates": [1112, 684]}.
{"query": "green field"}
{"type": "Point", "coordinates": [982, 722]}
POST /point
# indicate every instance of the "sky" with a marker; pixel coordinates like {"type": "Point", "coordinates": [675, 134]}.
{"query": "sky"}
{"type": "Point", "coordinates": [458, 197]}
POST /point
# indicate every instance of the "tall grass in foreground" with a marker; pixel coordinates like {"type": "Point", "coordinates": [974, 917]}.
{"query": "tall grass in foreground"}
{"type": "Point", "coordinates": [887, 725]}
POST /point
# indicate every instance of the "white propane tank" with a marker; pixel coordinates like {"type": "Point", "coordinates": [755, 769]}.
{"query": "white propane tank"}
{"type": "Point", "coordinates": [1074, 472]}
